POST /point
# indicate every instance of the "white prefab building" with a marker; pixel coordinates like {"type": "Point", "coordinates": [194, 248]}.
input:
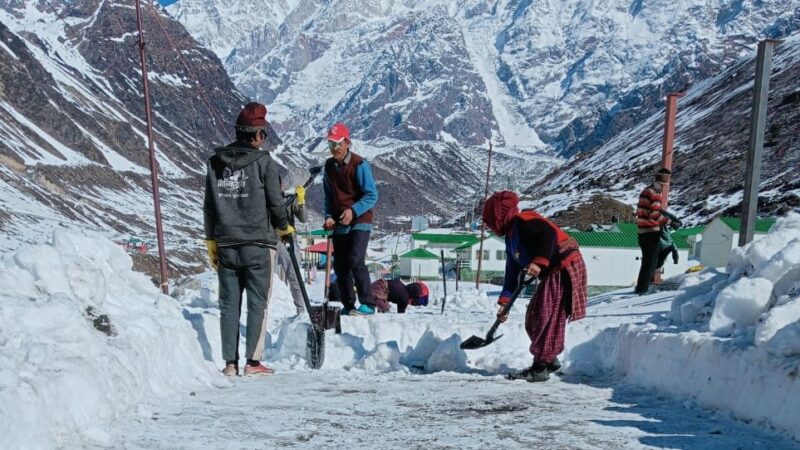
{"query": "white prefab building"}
{"type": "Point", "coordinates": [436, 242]}
{"type": "Point", "coordinates": [494, 255]}
{"type": "Point", "coordinates": [420, 264]}
{"type": "Point", "coordinates": [614, 258]}
{"type": "Point", "coordinates": [721, 236]}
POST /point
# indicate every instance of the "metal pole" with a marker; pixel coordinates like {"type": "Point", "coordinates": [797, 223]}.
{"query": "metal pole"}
{"type": "Point", "coordinates": [162, 257]}
{"type": "Point", "coordinates": [483, 225]}
{"type": "Point", "coordinates": [669, 138]}
{"type": "Point", "coordinates": [444, 281]}
{"type": "Point", "coordinates": [758, 123]}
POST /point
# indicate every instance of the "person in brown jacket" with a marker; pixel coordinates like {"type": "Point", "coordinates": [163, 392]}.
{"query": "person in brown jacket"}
{"type": "Point", "coordinates": [350, 195]}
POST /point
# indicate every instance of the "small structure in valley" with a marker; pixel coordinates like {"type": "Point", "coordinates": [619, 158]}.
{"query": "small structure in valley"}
{"type": "Point", "coordinates": [420, 264]}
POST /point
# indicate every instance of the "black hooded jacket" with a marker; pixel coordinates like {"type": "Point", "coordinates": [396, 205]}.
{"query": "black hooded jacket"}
{"type": "Point", "coordinates": [243, 200]}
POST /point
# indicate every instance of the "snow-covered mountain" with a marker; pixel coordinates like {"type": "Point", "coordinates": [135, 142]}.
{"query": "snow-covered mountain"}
{"type": "Point", "coordinates": [73, 148]}
{"type": "Point", "coordinates": [712, 139]}
{"type": "Point", "coordinates": [563, 75]}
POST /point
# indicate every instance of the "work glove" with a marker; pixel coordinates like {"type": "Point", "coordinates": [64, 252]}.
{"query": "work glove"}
{"type": "Point", "coordinates": [285, 233]}
{"type": "Point", "coordinates": [213, 258]}
{"type": "Point", "coordinates": [300, 193]}
{"type": "Point", "coordinates": [503, 300]}
{"type": "Point", "coordinates": [676, 223]}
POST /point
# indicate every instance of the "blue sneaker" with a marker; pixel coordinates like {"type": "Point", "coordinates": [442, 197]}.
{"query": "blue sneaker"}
{"type": "Point", "coordinates": [365, 310]}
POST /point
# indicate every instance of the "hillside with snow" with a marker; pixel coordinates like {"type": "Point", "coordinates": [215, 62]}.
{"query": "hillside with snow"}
{"type": "Point", "coordinates": [73, 142]}
{"type": "Point", "coordinates": [711, 141]}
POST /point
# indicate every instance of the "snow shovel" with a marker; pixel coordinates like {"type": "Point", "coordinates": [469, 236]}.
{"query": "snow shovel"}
{"type": "Point", "coordinates": [327, 317]}
{"type": "Point", "coordinates": [315, 337]}
{"type": "Point", "coordinates": [475, 342]}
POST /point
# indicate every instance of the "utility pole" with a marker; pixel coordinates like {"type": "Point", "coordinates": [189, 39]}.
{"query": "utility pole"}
{"type": "Point", "coordinates": [669, 138]}
{"type": "Point", "coordinates": [758, 123]}
{"type": "Point", "coordinates": [483, 225]}
{"type": "Point", "coordinates": [162, 257]}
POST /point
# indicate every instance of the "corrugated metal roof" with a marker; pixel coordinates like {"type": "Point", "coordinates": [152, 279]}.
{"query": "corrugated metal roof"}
{"type": "Point", "coordinates": [445, 238]}
{"type": "Point", "coordinates": [419, 253]}
{"type": "Point", "coordinates": [762, 225]}
{"type": "Point", "coordinates": [616, 239]}
{"type": "Point", "coordinates": [612, 239]}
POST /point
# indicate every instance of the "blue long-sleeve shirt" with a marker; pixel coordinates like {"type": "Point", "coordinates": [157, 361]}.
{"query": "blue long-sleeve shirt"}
{"type": "Point", "coordinates": [366, 183]}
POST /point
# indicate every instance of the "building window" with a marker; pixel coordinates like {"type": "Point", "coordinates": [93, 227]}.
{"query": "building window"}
{"type": "Point", "coordinates": [501, 255]}
{"type": "Point", "coordinates": [485, 255]}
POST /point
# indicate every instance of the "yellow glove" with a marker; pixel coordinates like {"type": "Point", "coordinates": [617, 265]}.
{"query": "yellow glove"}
{"type": "Point", "coordinates": [285, 233]}
{"type": "Point", "coordinates": [300, 192]}
{"type": "Point", "coordinates": [211, 246]}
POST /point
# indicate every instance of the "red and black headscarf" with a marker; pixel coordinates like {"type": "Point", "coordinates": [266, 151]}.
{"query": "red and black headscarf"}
{"type": "Point", "coordinates": [499, 210]}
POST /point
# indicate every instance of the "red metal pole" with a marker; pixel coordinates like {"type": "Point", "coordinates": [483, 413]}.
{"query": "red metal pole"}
{"type": "Point", "coordinates": [483, 225]}
{"type": "Point", "coordinates": [669, 138]}
{"type": "Point", "coordinates": [162, 257]}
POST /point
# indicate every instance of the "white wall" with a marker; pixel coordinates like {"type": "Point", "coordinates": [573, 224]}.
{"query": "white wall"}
{"type": "Point", "coordinates": [620, 266]}
{"type": "Point", "coordinates": [718, 242]}
{"type": "Point", "coordinates": [425, 268]}
{"type": "Point", "coordinates": [492, 245]}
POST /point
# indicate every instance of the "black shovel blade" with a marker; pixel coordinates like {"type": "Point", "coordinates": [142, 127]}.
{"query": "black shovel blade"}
{"type": "Point", "coordinates": [475, 342]}
{"type": "Point", "coordinates": [315, 346]}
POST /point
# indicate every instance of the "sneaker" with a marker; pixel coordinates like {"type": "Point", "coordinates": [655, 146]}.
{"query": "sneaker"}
{"type": "Point", "coordinates": [260, 369]}
{"type": "Point", "coordinates": [554, 366]}
{"type": "Point", "coordinates": [231, 370]}
{"type": "Point", "coordinates": [537, 372]}
{"type": "Point", "coordinates": [365, 310]}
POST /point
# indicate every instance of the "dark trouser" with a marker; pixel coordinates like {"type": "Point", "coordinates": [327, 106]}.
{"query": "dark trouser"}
{"type": "Point", "coordinates": [402, 304]}
{"type": "Point", "coordinates": [349, 252]}
{"type": "Point", "coordinates": [244, 267]}
{"type": "Point", "coordinates": [648, 242]}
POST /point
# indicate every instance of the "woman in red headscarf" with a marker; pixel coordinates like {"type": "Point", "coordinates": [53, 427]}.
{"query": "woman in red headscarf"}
{"type": "Point", "coordinates": [537, 246]}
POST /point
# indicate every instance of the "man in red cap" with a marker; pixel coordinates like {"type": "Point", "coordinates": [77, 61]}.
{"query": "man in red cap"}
{"type": "Point", "coordinates": [541, 249]}
{"type": "Point", "coordinates": [243, 210]}
{"type": "Point", "coordinates": [350, 195]}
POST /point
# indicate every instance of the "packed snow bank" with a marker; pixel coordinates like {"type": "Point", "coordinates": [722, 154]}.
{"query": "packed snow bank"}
{"type": "Point", "coordinates": [422, 340]}
{"type": "Point", "coordinates": [729, 341]}
{"type": "Point", "coordinates": [83, 341]}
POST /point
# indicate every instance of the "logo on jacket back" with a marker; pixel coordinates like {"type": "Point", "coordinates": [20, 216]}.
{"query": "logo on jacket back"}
{"type": "Point", "coordinates": [234, 182]}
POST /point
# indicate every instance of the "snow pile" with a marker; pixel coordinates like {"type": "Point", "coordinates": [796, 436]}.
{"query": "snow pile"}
{"type": "Point", "coordinates": [727, 332]}
{"type": "Point", "coordinates": [83, 341]}
{"type": "Point", "coordinates": [759, 295]}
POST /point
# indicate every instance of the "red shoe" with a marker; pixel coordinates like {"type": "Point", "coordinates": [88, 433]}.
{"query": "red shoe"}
{"type": "Point", "coordinates": [260, 369]}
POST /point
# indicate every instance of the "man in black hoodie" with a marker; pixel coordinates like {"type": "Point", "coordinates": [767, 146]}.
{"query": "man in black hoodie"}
{"type": "Point", "coordinates": [243, 210]}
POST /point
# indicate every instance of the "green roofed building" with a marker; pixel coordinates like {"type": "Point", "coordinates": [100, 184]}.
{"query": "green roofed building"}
{"type": "Point", "coordinates": [419, 263]}
{"type": "Point", "coordinates": [435, 242]}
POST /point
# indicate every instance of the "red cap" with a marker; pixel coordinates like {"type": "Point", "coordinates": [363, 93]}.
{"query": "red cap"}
{"type": "Point", "coordinates": [252, 118]}
{"type": "Point", "coordinates": [338, 132]}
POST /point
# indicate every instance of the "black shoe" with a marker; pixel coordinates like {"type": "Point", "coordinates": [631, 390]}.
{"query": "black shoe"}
{"type": "Point", "coordinates": [537, 372]}
{"type": "Point", "coordinates": [554, 366]}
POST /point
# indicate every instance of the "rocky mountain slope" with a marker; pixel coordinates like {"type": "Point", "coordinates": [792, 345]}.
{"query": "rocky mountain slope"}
{"type": "Point", "coordinates": [712, 138]}
{"type": "Point", "coordinates": [73, 150]}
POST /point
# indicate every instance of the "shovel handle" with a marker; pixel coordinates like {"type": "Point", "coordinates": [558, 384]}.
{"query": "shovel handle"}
{"type": "Point", "coordinates": [522, 281]}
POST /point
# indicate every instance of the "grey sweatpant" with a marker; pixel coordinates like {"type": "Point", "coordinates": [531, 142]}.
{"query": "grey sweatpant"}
{"type": "Point", "coordinates": [285, 262]}
{"type": "Point", "coordinates": [244, 267]}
